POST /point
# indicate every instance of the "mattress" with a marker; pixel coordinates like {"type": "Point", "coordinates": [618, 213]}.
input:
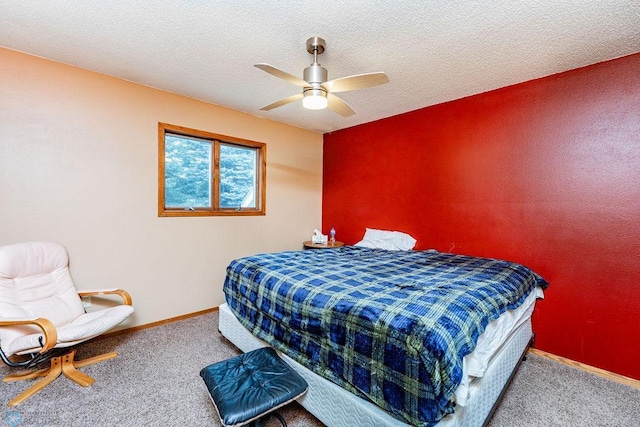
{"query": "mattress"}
{"type": "Point", "coordinates": [392, 327]}
{"type": "Point", "coordinates": [490, 341]}
{"type": "Point", "coordinates": [337, 407]}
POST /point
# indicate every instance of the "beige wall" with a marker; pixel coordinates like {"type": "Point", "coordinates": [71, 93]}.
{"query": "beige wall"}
{"type": "Point", "coordinates": [78, 165]}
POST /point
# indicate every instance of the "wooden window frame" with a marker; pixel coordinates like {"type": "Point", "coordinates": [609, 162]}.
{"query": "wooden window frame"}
{"type": "Point", "coordinates": [216, 139]}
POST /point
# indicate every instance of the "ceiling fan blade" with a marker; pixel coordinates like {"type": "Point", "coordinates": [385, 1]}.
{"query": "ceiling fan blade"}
{"type": "Point", "coordinates": [339, 106]}
{"type": "Point", "coordinates": [359, 81]}
{"type": "Point", "coordinates": [282, 75]}
{"type": "Point", "coordinates": [282, 102]}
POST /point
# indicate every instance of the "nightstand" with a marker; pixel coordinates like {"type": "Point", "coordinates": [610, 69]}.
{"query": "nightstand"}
{"type": "Point", "coordinates": [310, 245]}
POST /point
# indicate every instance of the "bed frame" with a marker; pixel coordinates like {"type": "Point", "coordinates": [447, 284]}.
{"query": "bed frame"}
{"type": "Point", "coordinates": [337, 407]}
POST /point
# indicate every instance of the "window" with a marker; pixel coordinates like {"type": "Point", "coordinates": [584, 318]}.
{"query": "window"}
{"type": "Point", "coordinates": [204, 174]}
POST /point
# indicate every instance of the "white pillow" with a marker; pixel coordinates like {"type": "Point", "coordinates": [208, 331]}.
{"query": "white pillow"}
{"type": "Point", "coordinates": [390, 240]}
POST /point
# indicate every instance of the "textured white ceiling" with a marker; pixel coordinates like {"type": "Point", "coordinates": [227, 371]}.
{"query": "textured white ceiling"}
{"type": "Point", "coordinates": [432, 50]}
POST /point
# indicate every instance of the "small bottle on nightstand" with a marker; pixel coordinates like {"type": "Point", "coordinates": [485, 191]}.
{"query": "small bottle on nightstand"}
{"type": "Point", "coordinates": [332, 236]}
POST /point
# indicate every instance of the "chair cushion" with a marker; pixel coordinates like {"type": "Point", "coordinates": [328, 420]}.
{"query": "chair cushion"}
{"type": "Point", "coordinates": [248, 386]}
{"type": "Point", "coordinates": [83, 328]}
{"type": "Point", "coordinates": [31, 259]}
{"type": "Point", "coordinates": [35, 282]}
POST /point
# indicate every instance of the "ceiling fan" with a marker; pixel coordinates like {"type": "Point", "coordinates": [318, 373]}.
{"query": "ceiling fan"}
{"type": "Point", "coordinates": [318, 93]}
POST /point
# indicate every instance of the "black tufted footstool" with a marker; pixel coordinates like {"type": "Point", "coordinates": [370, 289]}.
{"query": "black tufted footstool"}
{"type": "Point", "coordinates": [248, 387]}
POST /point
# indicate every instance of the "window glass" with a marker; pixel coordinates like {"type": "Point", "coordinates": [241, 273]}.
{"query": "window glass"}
{"type": "Point", "coordinates": [237, 176]}
{"type": "Point", "coordinates": [187, 172]}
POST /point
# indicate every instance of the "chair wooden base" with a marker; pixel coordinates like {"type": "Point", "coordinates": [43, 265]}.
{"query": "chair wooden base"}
{"type": "Point", "coordinates": [65, 365]}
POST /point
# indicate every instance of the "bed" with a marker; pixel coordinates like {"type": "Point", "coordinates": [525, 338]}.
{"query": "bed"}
{"type": "Point", "coordinates": [386, 337]}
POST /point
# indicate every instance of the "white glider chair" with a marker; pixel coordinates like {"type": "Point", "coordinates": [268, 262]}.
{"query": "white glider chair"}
{"type": "Point", "coordinates": [42, 318]}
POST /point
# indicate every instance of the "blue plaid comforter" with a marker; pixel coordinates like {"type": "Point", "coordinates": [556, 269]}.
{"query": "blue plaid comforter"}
{"type": "Point", "coordinates": [389, 326]}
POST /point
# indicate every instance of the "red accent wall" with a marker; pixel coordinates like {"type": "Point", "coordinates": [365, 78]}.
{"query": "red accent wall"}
{"type": "Point", "coordinates": [545, 173]}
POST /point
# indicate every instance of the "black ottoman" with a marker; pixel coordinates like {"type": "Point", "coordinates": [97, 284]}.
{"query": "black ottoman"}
{"type": "Point", "coordinates": [247, 387]}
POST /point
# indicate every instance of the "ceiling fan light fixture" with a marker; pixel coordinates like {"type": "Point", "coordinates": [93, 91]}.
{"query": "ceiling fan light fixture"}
{"type": "Point", "coordinates": [315, 99]}
{"type": "Point", "coordinates": [317, 90]}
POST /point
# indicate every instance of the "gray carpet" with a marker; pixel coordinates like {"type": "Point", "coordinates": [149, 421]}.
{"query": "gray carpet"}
{"type": "Point", "coordinates": [155, 382]}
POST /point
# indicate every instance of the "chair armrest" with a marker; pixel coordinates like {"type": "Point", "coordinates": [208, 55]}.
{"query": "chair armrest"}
{"type": "Point", "coordinates": [126, 298]}
{"type": "Point", "coordinates": [50, 333]}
